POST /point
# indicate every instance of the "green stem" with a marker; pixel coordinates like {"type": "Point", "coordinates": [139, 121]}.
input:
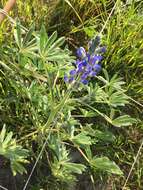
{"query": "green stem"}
{"type": "Point", "coordinates": [52, 116]}
{"type": "Point", "coordinates": [58, 108]}
{"type": "Point", "coordinates": [95, 110]}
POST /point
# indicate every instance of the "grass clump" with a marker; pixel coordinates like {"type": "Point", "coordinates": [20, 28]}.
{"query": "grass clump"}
{"type": "Point", "coordinates": [78, 136]}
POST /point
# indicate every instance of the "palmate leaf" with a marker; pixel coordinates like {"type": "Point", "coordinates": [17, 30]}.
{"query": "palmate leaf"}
{"type": "Point", "coordinates": [15, 153]}
{"type": "Point", "coordinates": [49, 47]}
{"type": "Point", "coordinates": [28, 35]}
{"type": "Point", "coordinates": [82, 139]}
{"type": "Point", "coordinates": [124, 120]}
{"type": "Point", "coordinates": [56, 55]}
{"type": "Point", "coordinates": [101, 95]}
{"type": "Point", "coordinates": [87, 113]}
{"type": "Point", "coordinates": [111, 93]}
{"type": "Point", "coordinates": [27, 45]}
{"type": "Point", "coordinates": [57, 43]}
{"type": "Point", "coordinates": [113, 84]}
{"type": "Point", "coordinates": [105, 165]}
{"type": "Point", "coordinates": [16, 166]}
{"type": "Point", "coordinates": [65, 170]}
{"type": "Point", "coordinates": [61, 167]}
{"type": "Point", "coordinates": [116, 83]}
{"type": "Point", "coordinates": [74, 167]}
{"type": "Point", "coordinates": [51, 40]}
{"type": "Point", "coordinates": [118, 99]}
{"type": "Point", "coordinates": [103, 136]}
{"type": "Point", "coordinates": [40, 45]}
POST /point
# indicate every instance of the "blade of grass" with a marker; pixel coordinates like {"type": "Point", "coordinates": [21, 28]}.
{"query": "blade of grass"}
{"type": "Point", "coordinates": [68, 2]}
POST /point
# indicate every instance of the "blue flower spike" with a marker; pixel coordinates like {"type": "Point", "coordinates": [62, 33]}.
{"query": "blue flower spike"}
{"type": "Point", "coordinates": [89, 63]}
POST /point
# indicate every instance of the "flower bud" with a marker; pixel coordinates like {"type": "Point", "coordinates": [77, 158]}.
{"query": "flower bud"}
{"type": "Point", "coordinates": [81, 53]}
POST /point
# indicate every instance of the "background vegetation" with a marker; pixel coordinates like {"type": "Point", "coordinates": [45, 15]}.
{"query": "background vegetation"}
{"type": "Point", "coordinates": [25, 100]}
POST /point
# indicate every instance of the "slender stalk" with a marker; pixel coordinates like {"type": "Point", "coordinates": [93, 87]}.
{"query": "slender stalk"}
{"type": "Point", "coordinates": [95, 110]}
{"type": "Point", "coordinates": [37, 160]}
{"type": "Point", "coordinates": [86, 158]}
{"type": "Point", "coordinates": [82, 153]}
{"type": "Point", "coordinates": [135, 101]}
{"type": "Point", "coordinates": [107, 20]}
{"type": "Point", "coordinates": [135, 160]}
{"type": "Point", "coordinates": [50, 119]}
{"type": "Point", "coordinates": [3, 188]}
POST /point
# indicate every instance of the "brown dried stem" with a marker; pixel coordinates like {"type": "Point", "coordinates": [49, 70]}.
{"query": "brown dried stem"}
{"type": "Point", "coordinates": [8, 7]}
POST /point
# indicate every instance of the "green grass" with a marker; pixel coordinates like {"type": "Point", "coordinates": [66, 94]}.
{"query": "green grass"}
{"type": "Point", "coordinates": [80, 20]}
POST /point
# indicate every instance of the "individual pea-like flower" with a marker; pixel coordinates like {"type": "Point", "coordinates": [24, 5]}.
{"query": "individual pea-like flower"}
{"type": "Point", "coordinates": [89, 63]}
{"type": "Point", "coordinates": [81, 53]}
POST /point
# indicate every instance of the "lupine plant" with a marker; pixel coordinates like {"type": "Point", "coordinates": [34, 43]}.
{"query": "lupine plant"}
{"type": "Point", "coordinates": [66, 107]}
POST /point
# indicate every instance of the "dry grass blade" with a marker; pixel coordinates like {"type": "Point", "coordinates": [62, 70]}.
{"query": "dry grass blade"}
{"type": "Point", "coordinates": [68, 2]}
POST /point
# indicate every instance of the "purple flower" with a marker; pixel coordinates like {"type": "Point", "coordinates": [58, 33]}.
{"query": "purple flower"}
{"type": "Point", "coordinates": [93, 74]}
{"type": "Point", "coordinates": [84, 82]}
{"type": "Point", "coordinates": [77, 62]}
{"type": "Point", "coordinates": [97, 67]}
{"type": "Point", "coordinates": [95, 59]}
{"type": "Point", "coordinates": [84, 62]}
{"type": "Point", "coordinates": [73, 72]}
{"type": "Point", "coordinates": [66, 79]}
{"type": "Point", "coordinates": [103, 49]}
{"type": "Point", "coordinates": [71, 79]}
{"type": "Point", "coordinates": [81, 53]}
{"type": "Point", "coordinates": [84, 75]}
{"type": "Point", "coordinates": [88, 57]}
{"type": "Point", "coordinates": [99, 57]}
{"type": "Point", "coordinates": [87, 66]}
{"type": "Point", "coordinates": [80, 68]}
